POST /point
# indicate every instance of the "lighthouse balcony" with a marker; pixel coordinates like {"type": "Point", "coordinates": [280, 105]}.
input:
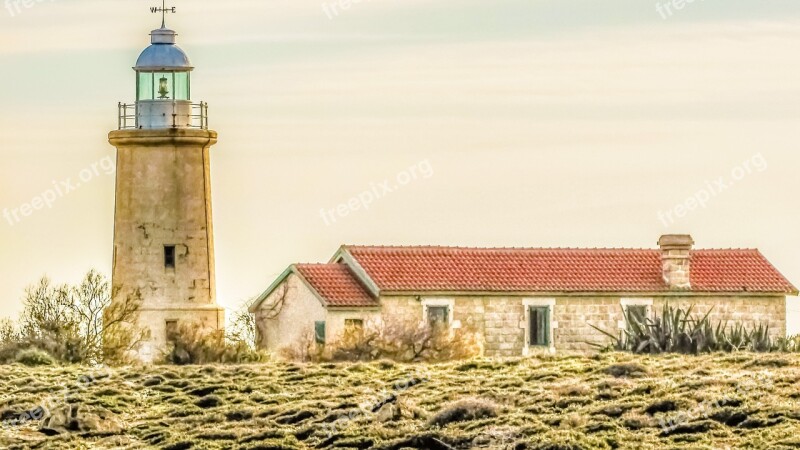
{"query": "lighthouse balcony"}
{"type": "Point", "coordinates": [161, 114]}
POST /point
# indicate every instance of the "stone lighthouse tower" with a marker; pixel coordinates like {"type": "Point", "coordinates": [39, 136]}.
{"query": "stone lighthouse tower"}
{"type": "Point", "coordinates": [163, 234]}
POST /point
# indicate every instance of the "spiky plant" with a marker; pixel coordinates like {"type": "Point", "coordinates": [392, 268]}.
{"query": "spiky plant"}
{"type": "Point", "coordinates": [676, 330]}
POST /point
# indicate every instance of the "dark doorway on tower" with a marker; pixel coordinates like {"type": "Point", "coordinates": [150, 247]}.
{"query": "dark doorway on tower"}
{"type": "Point", "coordinates": [172, 331]}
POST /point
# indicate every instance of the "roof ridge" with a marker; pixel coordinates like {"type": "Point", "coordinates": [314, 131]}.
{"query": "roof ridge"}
{"type": "Point", "coordinates": [445, 247]}
{"type": "Point", "coordinates": [610, 249]}
{"type": "Point", "coordinates": [730, 249]}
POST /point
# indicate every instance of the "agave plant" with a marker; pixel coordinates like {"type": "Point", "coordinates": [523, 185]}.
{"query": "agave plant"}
{"type": "Point", "coordinates": [789, 344]}
{"type": "Point", "coordinates": [676, 330]}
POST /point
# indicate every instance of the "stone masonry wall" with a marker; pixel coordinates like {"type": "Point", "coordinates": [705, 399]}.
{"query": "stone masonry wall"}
{"type": "Point", "coordinates": [750, 311]}
{"type": "Point", "coordinates": [501, 320]}
{"type": "Point", "coordinates": [496, 320]}
{"type": "Point", "coordinates": [574, 316]}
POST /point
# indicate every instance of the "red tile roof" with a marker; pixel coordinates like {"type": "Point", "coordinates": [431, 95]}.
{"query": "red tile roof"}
{"type": "Point", "coordinates": [336, 284]}
{"type": "Point", "coordinates": [561, 270]}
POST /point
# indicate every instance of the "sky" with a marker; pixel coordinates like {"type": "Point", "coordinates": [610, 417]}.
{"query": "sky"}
{"type": "Point", "coordinates": [527, 123]}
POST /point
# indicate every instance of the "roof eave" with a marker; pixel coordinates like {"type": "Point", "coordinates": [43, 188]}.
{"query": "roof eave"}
{"type": "Point", "coordinates": [457, 293]}
{"type": "Point", "coordinates": [376, 307]}
{"type": "Point", "coordinates": [258, 301]}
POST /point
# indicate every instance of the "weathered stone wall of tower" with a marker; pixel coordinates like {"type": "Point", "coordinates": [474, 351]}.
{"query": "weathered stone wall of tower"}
{"type": "Point", "coordinates": [163, 198]}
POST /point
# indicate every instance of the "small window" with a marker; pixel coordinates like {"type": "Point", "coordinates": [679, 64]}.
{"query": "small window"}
{"type": "Point", "coordinates": [353, 326]}
{"type": "Point", "coordinates": [636, 313]}
{"type": "Point", "coordinates": [539, 326]}
{"type": "Point", "coordinates": [172, 331]}
{"type": "Point", "coordinates": [169, 256]}
{"type": "Point", "coordinates": [319, 332]}
{"type": "Point", "coordinates": [438, 316]}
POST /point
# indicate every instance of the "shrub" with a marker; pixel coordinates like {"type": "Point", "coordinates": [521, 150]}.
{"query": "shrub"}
{"type": "Point", "coordinates": [306, 349]}
{"type": "Point", "coordinates": [789, 344]}
{"type": "Point", "coordinates": [464, 410]}
{"type": "Point", "coordinates": [209, 401]}
{"type": "Point", "coordinates": [35, 357]}
{"type": "Point", "coordinates": [390, 341]}
{"type": "Point", "coordinates": [626, 370]}
{"type": "Point", "coordinates": [193, 344]}
{"type": "Point", "coordinates": [73, 324]}
{"type": "Point", "coordinates": [408, 342]}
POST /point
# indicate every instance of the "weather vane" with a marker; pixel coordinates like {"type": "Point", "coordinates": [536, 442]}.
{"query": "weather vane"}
{"type": "Point", "coordinates": [163, 10]}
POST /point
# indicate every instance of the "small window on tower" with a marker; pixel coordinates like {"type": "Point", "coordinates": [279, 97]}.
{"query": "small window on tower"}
{"type": "Point", "coordinates": [172, 331]}
{"type": "Point", "coordinates": [169, 256]}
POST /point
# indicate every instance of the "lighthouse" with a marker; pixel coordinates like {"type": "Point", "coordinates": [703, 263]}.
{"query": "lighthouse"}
{"type": "Point", "coordinates": [163, 232]}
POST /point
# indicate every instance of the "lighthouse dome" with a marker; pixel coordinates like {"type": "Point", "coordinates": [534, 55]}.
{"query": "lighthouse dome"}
{"type": "Point", "coordinates": [163, 54]}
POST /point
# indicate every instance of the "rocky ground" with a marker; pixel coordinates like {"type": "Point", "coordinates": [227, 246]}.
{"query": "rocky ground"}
{"type": "Point", "coordinates": [739, 401]}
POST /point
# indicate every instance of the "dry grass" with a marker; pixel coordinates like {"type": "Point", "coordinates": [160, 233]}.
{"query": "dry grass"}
{"type": "Point", "coordinates": [739, 401]}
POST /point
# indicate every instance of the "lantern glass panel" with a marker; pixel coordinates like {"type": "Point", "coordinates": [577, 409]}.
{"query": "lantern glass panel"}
{"type": "Point", "coordinates": [182, 87]}
{"type": "Point", "coordinates": [144, 86]}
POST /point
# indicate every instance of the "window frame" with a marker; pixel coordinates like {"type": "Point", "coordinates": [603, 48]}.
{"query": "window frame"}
{"type": "Point", "coordinates": [320, 324]}
{"type": "Point", "coordinates": [355, 325]}
{"type": "Point", "coordinates": [545, 312]}
{"type": "Point", "coordinates": [627, 302]}
{"type": "Point", "coordinates": [437, 302]}
{"type": "Point", "coordinates": [552, 324]}
{"type": "Point", "coordinates": [434, 312]}
{"type": "Point", "coordinates": [448, 303]}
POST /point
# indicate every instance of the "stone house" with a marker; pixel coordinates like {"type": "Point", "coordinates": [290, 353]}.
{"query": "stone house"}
{"type": "Point", "coordinates": [518, 301]}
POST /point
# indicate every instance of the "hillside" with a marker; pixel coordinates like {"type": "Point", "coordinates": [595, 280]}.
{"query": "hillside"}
{"type": "Point", "coordinates": [609, 401]}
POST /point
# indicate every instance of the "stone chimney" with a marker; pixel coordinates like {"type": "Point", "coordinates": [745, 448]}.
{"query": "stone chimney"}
{"type": "Point", "coordinates": [676, 261]}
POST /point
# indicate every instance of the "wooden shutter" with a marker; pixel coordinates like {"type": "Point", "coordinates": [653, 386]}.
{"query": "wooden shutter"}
{"type": "Point", "coordinates": [319, 332]}
{"type": "Point", "coordinates": [539, 325]}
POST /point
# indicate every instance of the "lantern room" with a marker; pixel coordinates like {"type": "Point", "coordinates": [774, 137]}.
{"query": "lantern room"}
{"type": "Point", "coordinates": [163, 88]}
{"type": "Point", "coordinates": [163, 69]}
